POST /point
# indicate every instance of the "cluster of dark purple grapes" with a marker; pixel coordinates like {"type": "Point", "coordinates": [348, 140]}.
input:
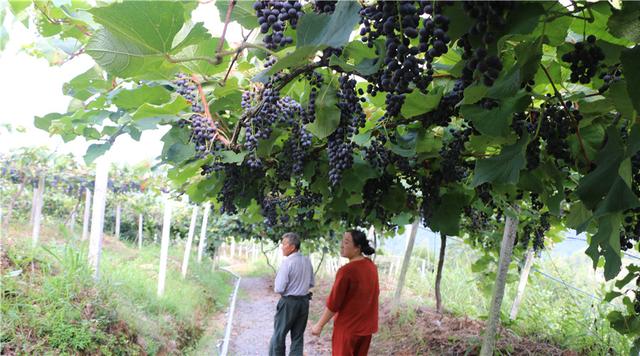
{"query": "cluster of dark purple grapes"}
{"type": "Point", "coordinates": [585, 59]}
{"type": "Point", "coordinates": [373, 194]}
{"type": "Point", "coordinates": [447, 107]}
{"type": "Point", "coordinates": [522, 124]}
{"type": "Point", "coordinates": [273, 110]}
{"type": "Point", "coordinates": [453, 166]}
{"type": "Point", "coordinates": [430, 188]}
{"type": "Point", "coordinates": [610, 76]}
{"type": "Point", "coordinates": [352, 117]}
{"type": "Point", "coordinates": [630, 229]}
{"type": "Point", "coordinates": [477, 220]}
{"type": "Point", "coordinates": [296, 149]}
{"type": "Point", "coordinates": [203, 132]}
{"type": "Point", "coordinates": [536, 230]}
{"type": "Point", "coordinates": [405, 65]}
{"type": "Point", "coordinates": [556, 125]}
{"type": "Point", "coordinates": [489, 20]}
{"type": "Point", "coordinates": [376, 154]}
{"type": "Point", "coordinates": [315, 81]}
{"type": "Point", "coordinates": [324, 7]}
{"type": "Point", "coordinates": [274, 16]}
{"type": "Point", "coordinates": [187, 88]}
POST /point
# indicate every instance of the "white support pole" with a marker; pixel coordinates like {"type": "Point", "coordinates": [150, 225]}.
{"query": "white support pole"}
{"type": "Point", "coordinates": [140, 231]}
{"type": "Point", "coordinates": [97, 216]}
{"type": "Point", "coordinates": [118, 212]}
{"type": "Point", "coordinates": [233, 248]}
{"type": "Point", "coordinates": [506, 249]}
{"type": "Point", "coordinates": [72, 221]}
{"type": "Point", "coordinates": [87, 214]}
{"type": "Point", "coordinates": [34, 204]}
{"type": "Point", "coordinates": [524, 276]}
{"type": "Point", "coordinates": [37, 217]}
{"type": "Point", "coordinates": [203, 231]}
{"type": "Point", "coordinates": [187, 247]}
{"type": "Point", "coordinates": [164, 246]}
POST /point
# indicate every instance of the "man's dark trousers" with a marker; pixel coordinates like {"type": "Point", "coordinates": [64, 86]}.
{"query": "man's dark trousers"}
{"type": "Point", "coordinates": [291, 315]}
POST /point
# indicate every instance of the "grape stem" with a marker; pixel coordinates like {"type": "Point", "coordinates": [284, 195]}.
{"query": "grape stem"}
{"type": "Point", "coordinates": [566, 110]}
{"type": "Point", "coordinates": [203, 99]}
{"type": "Point", "coordinates": [235, 58]}
{"type": "Point", "coordinates": [224, 31]}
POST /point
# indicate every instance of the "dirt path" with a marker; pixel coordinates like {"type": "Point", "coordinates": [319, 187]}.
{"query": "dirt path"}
{"type": "Point", "coordinates": [253, 321]}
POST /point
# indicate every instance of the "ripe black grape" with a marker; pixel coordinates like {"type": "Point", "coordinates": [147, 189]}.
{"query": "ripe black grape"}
{"type": "Point", "coordinates": [274, 17]}
{"type": "Point", "coordinates": [584, 59]}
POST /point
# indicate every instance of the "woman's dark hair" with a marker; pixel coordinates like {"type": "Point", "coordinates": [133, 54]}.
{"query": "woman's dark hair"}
{"type": "Point", "coordinates": [360, 240]}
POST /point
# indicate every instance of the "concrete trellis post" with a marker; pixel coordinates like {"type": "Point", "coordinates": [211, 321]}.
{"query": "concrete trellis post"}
{"type": "Point", "coordinates": [203, 231]}
{"type": "Point", "coordinates": [87, 214]}
{"type": "Point", "coordinates": [37, 215]}
{"type": "Point", "coordinates": [524, 276]}
{"type": "Point", "coordinates": [164, 245]}
{"type": "Point", "coordinates": [97, 217]}
{"type": "Point", "coordinates": [118, 212]}
{"type": "Point", "coordinates": [140, 231]}
{"type": "Point", "coordinates": [187, 247]}
{"type": "Point", "coordinates": [407, 259]}
{"type": "Point", "coordinates": [506, 249]}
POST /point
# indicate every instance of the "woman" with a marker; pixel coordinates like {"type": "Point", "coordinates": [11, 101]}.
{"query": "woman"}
{"type": "Point", "coordinates": [354, 298]}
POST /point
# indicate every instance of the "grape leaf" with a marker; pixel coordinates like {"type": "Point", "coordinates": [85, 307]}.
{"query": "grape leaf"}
{"type": "Point", "coordinates": [328, 30]}
{"type": "Point", "coordinates": [96, 150]}
{"type": "Point", "coordinates": [503, 168]}
{"type": "Point", "coordinates": [630, 59]}
{"type": "Point", "coordinates": [132, 99]}
{"type": "Point", "coordinates": [327, 113]}
{"type": "Point", "coordinates": [242, 13]}
{"type": "Point", "coordinates": [606, 242]}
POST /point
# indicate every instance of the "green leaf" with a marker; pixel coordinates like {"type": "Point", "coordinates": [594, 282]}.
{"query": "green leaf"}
{"type": "Point", "coordinates": [232, 157]}
{"type": "Point", "coordinates": [176, 147]}
{"type": "Point", "coordinates": [634, 140]}
{"type": "Point", "coordinates": [606, 242]}
{"type": "Point", "coordinates": [44, 122]}
{"type": "Point", "coordinates": [148, 24]}
{"type": "Point", "coordinates": [87, 84]}
{"type": "Point", "coordinates": [620, 98]}
{"type": "Point", "coordinates": [597, 184]}
{"type": "Point", "coordinates": [578, 216]}
{"type": "Point", "coordinates": [503, 168]}
{"type": "Point", "coordinates": [131, 99]}
{"type": "Point", "coordinates": [446, 218]}
{"type": "Point", "coordinates": [630, 59]}
{"type": "Point", "coordinates": [96, 150]}
{"type": "Point", "coordinates": [495, 122]}
{"type": "Point", "coordinates": [121, 57]}
{"type": "Point", "coordinates": [265, 147]}
{"type": "Point", "coordinates": [327, 113]}
{"type": "Point", "coordinates": [418, 103]}
{"type": "Point", "coordinates": [242, 13]}
{"type": "Point", "coordinates": [529, 54]}
{"type": "Point", "coordinates": [474, 92]}
{"type": "Point", "coordinates": [197, 33]}
{"type": "Point", "coordinates": [328, 30]}
{"type": "Point", "coordinates": [626, 23]}
{"type": "Point", "coordinates": [428, 142]}
{"type": "Point", "coordinates": [619, 198]}
{"type": "Point", "coordinates": [203, 49]}
{"type": "Point", "coordinates": [168, 110]}
{"type": "Point", "coordinates": [289, 60]}
{"type": "Point", "coordinates": [592, 139]}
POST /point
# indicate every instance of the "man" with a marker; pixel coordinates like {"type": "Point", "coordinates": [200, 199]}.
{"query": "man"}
{"type": "Point", "coordinates": [293, 281]}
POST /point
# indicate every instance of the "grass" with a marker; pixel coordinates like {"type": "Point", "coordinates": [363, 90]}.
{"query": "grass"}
{"type": "Point", "coordinates": [54, 306]}
{"type": "Point", "coordinates": [549, 312]}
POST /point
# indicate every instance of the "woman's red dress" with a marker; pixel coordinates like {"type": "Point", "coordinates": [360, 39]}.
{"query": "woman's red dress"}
{"type": "Point", "coordinates": [354, 297]}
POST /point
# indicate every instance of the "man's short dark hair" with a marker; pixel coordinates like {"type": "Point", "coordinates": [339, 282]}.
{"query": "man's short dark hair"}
{"type": "Point", "coordinates": [293, 239]}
